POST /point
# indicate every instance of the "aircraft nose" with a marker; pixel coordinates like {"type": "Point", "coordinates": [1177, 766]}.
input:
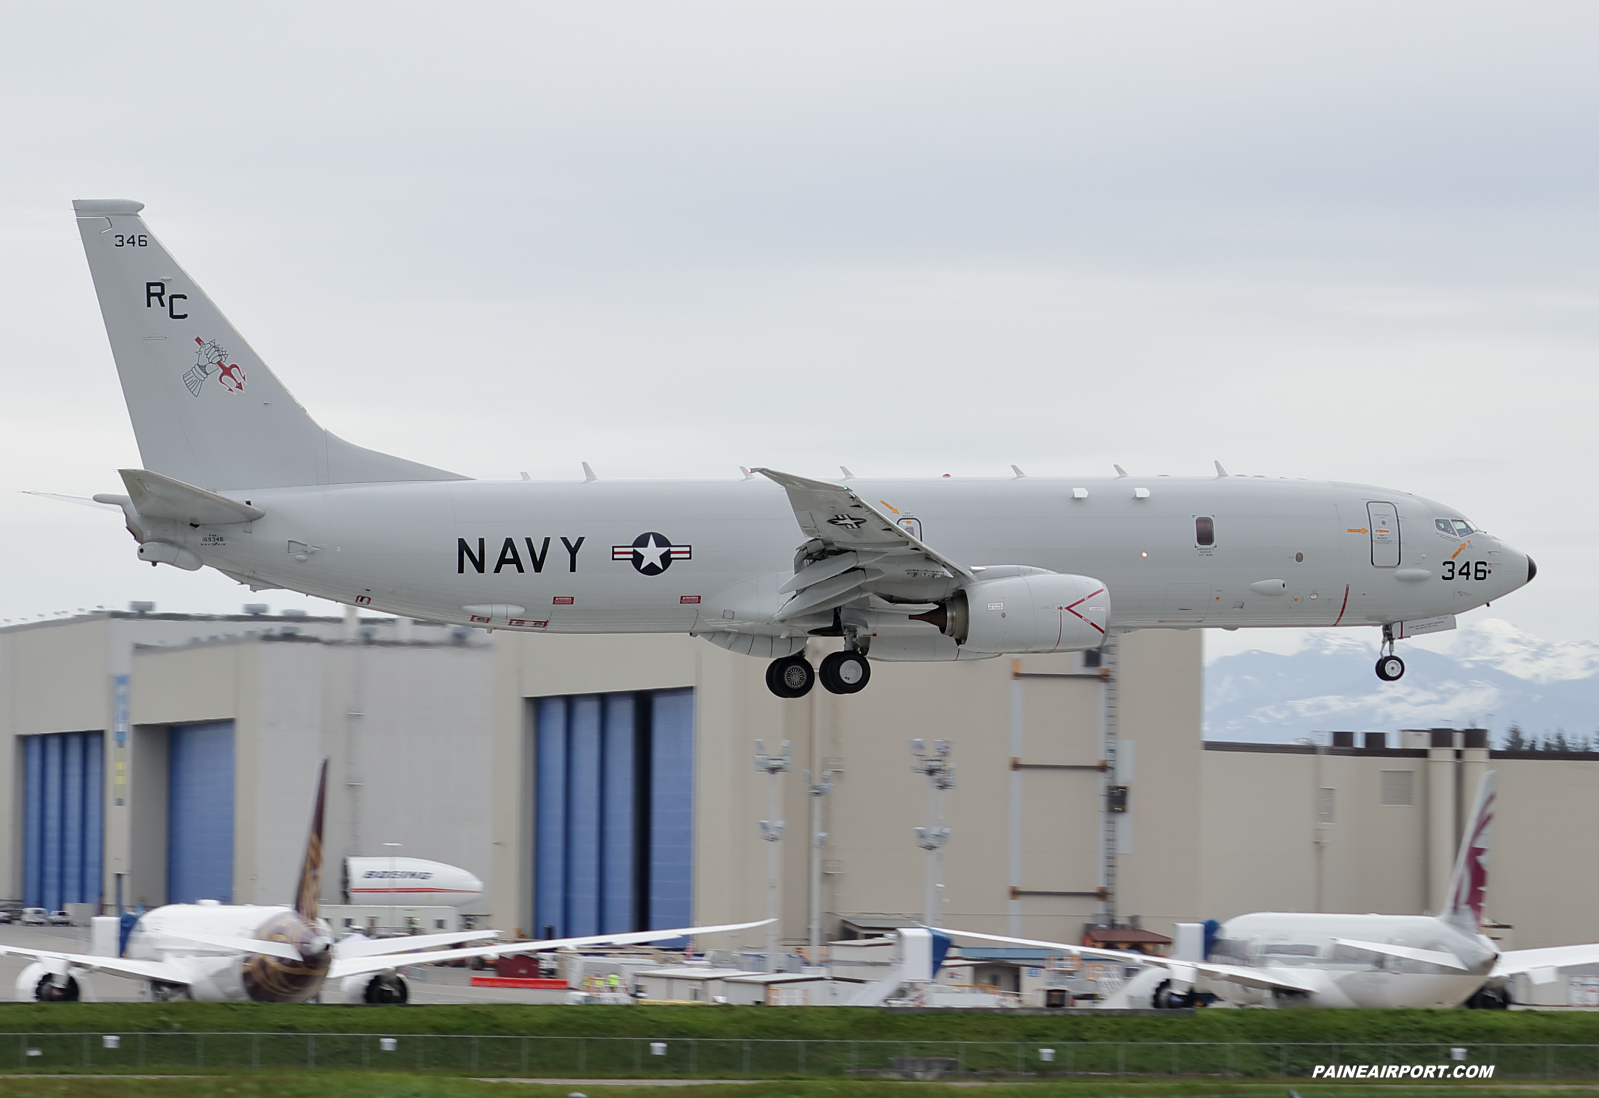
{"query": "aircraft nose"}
{"type": "Point", "coordinates": [1532, 569]}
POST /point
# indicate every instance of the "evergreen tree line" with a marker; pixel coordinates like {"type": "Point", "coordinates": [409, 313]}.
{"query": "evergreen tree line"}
{"type": "Point", "coordinates": [1559, 740]}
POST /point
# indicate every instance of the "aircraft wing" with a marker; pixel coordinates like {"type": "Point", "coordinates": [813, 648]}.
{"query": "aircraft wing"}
{"type": "Point", "coordinates": [867, 544]}
{"type": "Point", "coordinates": [1184, 971]}
{"type": "Point", "coordinates": [349, 949]}
{"type": "Point", "coordinates": [114, 966]}
{"type": "Point", "coordinates": [358, 966]}
{"type": "Point", "coordinates": [1535, 961]}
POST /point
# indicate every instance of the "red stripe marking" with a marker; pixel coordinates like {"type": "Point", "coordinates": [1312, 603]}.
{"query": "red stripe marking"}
{"type": "Point", "coordinates": [1345, 606]}
{"type": "Point", "coordinates": [1079, 602]}
{"type": "Point", "coordinates": [390, 891]}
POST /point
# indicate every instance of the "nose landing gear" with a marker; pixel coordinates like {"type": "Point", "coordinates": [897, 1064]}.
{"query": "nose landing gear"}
{"type": "Point", "coordinates": [1390, 668]}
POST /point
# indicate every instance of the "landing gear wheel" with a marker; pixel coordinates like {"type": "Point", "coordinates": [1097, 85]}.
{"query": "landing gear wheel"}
{"type": "Point", "coordinates": [790, 677]}
{"type": "Point", "coordinates": [1390, 668]}
{"type": "Point", "coordinates": [846, 672]}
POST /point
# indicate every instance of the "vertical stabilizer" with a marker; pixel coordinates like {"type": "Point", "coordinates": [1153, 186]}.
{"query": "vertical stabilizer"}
{"type": "Point", "coordinates": [205, 408]}
{"type": "Point", "coordinates": [1469, 885]}
{"type": "Point", "coordinates": [310, 886]}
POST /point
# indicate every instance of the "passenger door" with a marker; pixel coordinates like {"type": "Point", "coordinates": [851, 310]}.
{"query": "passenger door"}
{"type": "Point", "coordinates": [1384, 524]}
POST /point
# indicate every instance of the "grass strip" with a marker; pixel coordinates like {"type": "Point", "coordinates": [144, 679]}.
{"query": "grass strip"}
{"type": "Point", "coordinates": [335, 1085]}
{"type": "Point", "coordinates": [810, 1023]}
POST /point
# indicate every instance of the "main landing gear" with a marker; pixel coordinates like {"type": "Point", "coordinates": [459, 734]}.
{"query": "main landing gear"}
{"type": "Point", "coordinates": [844, 672]}
{"type": "Point", "coordinates": [1390, 668]}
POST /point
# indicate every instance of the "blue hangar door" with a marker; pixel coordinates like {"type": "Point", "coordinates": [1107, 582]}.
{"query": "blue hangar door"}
{"type": "Point", "coordinates": [614, 812]}
{"type": "Point", "coordinates": [200, 813]}
{"type": "Point", "coordinates": [63, 826]}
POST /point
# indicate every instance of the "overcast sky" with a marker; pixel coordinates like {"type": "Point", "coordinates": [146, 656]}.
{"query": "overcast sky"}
{"type": "Point", "coordinates": [1347, 241]}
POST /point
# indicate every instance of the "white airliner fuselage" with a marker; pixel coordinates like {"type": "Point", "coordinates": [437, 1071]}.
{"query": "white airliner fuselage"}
{"type": "Point", "coordinates": [1307, 946]}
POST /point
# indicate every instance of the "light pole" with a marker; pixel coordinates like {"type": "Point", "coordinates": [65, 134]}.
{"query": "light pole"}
{"type": "Point", "coordinates": [817, 791]}
{"type": "Point", "coordinates": [392, 914]}
{"type": "Point", "coordinates": [940, 773]}
{"type": "Point", "coordinates": [771, 831]}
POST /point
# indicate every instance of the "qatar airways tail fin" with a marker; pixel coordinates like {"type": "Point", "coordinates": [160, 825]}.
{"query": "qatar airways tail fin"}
{"type": "Point", "coordinates": [205, 409]}
{"type": "Point", "coordinates": [1470, 883]}
{"type": "Point", "coordinates": [308, 890]}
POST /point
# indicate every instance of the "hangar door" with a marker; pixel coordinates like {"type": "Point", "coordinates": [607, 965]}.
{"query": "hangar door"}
{"type": "Point", "coordinates": [200, 813]}
{"type": "Point", "coordinates": [63, 821]}
{"type": "Point", "coordinates": [614, 812]}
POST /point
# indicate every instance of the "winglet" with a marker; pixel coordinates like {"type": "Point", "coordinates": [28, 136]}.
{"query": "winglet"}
{"type": "Point", "coordinates": [310, 886]}
{"type": "Point", "coordinates": [588, 474]}
{"type": "Point", "coordinates": [1120, 472]}
{"type": "Point", "coordinates": [845, 470]}
{"type": "Point", "coordinates": [1220, 472]}
{"type": "Point", "coordinates": [1017, 470]}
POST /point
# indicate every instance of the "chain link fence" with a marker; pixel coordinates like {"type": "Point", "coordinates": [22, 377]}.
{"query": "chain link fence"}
{"type": "Point", "coordinates": [627, 1057]}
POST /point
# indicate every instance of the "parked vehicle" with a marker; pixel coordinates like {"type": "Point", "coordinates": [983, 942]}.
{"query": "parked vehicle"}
{"type": "Point", "coordinates": [33, 916]}
{"type": "Point", "coordinates": [5, 915]}
{"type": "Point", "coordinates": [59, 918]}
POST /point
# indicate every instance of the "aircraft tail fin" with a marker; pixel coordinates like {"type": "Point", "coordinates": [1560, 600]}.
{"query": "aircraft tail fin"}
{"type": "Point", "coordinates": [1469, 886]}
{"type": "Point", "coordinates": [306, 893]}
{"type": "Point", "coordinates": [205, 409]}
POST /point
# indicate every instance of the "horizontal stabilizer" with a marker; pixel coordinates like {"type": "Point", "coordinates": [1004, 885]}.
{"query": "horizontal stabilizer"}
{"type": "Point", "coordinates": [246, 945]}
{"type": "Point", "coordinates": [1407, 953]}
{"type": "Point", "coordinates": [159, 497]}
{"type": "Point", "coordinates": [351, 948]}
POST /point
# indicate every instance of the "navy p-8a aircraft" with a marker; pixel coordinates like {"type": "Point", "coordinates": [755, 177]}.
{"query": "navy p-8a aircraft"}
{"type": "Point", "coordinates": [238, 477]}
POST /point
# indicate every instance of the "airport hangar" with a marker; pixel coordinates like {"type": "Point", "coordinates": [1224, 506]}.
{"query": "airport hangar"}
{"type": "Point", "coordinates": [601, 783]}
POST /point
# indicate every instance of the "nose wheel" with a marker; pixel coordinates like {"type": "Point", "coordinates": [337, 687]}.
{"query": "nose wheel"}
{"type": "Point", "coordinates": [1390, 668]}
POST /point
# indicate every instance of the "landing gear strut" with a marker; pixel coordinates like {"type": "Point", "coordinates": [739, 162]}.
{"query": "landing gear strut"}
{"type": "Point", "coordinates": [1390, 668]}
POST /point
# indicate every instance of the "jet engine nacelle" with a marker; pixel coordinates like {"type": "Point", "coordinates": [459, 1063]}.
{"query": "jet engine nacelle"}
{"type": "Point", "coordinates": [1026, 610]}
{"type": "Point", "coordinates": [36, 984]}
{"type": "Point", "coordinates": [379, 989]}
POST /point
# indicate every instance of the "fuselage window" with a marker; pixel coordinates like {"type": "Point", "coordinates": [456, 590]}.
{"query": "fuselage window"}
{"type": "Point", "coordinates": [1205, 531]}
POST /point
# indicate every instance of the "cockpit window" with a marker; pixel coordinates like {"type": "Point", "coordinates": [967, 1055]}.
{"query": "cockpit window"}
{"type": "Point", "coordinates": [1462, 528]}
{"type": "Point", "coordinates": [1455, 528]}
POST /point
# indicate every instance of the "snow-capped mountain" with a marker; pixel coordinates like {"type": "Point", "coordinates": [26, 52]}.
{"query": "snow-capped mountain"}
{"type": "Point", "coordinates": [1487, 673]}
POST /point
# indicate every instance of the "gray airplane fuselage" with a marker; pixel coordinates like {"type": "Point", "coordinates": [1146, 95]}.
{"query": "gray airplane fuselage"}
{"type": "Point", "coordinates": [577, 558]}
